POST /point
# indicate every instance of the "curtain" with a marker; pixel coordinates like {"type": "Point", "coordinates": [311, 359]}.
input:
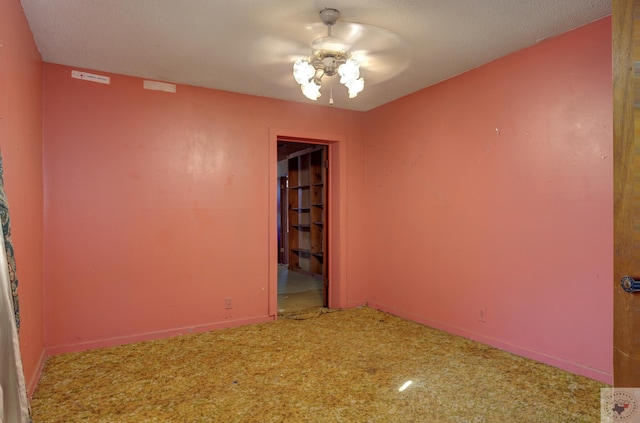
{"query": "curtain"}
{"type": "Point", "coordinates": [8, 247]}
{"type": "Point", "coordinates": [14, 406]}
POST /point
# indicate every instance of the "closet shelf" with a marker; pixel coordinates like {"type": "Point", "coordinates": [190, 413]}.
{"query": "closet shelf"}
{"type": "Point", "coordinates": [301, 250]}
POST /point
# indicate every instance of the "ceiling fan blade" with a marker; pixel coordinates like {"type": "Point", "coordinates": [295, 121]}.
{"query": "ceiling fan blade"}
{"type": "Point", "coordinates": [382, 54]}
{"type": "Point", "coordinates": [274, 49]}
{"type": "Point", "coordinates": [272, 58]}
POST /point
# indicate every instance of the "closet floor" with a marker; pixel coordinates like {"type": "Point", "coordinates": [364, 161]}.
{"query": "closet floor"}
{"type": "Point", "coordinates": [297, 291]}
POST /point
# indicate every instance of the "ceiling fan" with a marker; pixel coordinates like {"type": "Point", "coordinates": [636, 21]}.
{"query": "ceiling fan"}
{"type": "Point", "coordinates": [324, 54]}
{"type": "Point", "coordinates": [330, 55]}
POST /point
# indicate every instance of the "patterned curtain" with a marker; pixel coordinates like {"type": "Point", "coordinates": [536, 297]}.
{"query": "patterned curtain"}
{"type": "Point", "coordinates": [14, 404]}
{"type": "Point", "coordinates": [11, 261]}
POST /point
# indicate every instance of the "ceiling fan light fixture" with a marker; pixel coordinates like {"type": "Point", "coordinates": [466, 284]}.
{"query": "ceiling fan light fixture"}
{"type": "Point", "coordinates": [329, 56]}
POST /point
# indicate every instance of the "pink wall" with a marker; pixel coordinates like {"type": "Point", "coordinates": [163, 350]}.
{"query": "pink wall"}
{"type": "Point", "coordinates": [493, 190]}
{"type": "Point", "coordinates": [21, 145]}
{"type": "Point", "coordinates": [158, 207]}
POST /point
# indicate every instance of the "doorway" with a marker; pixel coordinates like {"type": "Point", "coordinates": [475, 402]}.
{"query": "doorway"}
{"type": "Point", "coordinates": [302, 185]}
{"type": "Point", "coordinates": [335, 211]}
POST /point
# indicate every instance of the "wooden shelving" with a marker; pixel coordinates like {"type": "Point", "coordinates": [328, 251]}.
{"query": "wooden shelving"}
{"type": "Point", "coordinates": [306, 170]}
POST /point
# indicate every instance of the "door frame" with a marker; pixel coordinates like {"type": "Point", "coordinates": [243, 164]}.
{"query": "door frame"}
{"type": "Point", "coordinates": [336, 212]}
{"type": "Point", "coordinates": [283, 201]}
{"type": "Point", "coordinates": [626, 118]}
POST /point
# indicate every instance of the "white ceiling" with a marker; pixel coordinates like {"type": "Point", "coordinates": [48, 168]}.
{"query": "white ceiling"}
{"type": "Point", "coordinates": [221, 43]}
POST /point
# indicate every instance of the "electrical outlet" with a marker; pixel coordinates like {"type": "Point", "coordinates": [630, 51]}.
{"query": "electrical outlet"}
{"type": "Point", "coordinates": [228, 303]}
{"type": "Point", "coordinates": [483, 315]}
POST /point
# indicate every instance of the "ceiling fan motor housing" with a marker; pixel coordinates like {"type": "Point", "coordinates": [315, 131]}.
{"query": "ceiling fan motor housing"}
{"type": "Point", "coordinates": [329, 16]}
{"type": "Point", "coordinates": [329, 52]}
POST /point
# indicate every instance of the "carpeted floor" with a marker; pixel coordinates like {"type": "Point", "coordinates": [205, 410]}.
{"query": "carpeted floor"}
{"type": "Point", "coordinates": [342, 366]}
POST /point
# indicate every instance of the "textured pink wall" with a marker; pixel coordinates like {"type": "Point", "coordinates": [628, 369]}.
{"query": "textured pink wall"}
{"type": "Point", "coordinates": [493, 190]}
{"type": "Point", "coordinates": [21, 144]}
{"type": "Point", "coordinates": [158, 207]}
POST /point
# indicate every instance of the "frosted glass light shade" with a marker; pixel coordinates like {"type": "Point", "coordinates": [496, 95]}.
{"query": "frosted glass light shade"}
{"type": "Point", "coordinates": [311, 90]}
{"type": "Point", "coordinates": [349, 72]}
{"type": "Point", "coordinates": [355, 87]}
{"type": "Point", "coordinates": [303, 71]}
